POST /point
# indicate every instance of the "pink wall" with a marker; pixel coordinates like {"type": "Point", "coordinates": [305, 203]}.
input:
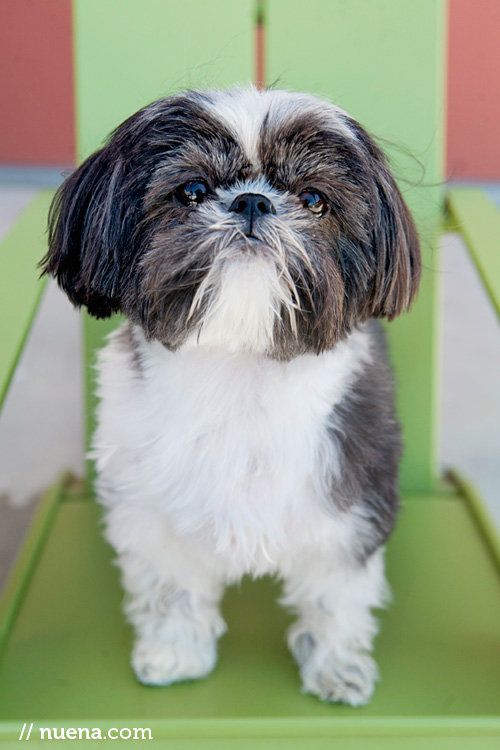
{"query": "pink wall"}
{"type": "Point", "coordinates": [474, 90]}
{"type": "Point", "coordinates": [36, 82]}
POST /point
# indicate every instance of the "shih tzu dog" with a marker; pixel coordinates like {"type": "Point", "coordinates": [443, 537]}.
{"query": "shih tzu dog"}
{"type": "Point", "coordinates": [246, 420]}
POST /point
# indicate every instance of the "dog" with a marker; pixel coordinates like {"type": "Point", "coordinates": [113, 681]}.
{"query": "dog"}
{"type": "Point", "coordinates": [246, 422]}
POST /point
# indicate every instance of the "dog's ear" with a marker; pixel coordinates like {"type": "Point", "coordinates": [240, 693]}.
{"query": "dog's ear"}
{"type": "Point", "coordinates": [395, 245]}
{"type": "Point", "coordinates": [90, 229]}
{"type": "Point", "coordinates": [390, 239]}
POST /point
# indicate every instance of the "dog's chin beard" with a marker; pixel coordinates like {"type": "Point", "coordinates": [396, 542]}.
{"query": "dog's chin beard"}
{"type": "Point", "coordinates": [243, 297]}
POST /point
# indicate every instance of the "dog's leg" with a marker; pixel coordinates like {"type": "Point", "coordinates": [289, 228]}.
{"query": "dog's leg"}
{"type": "Point", "coordinates": [176, 634]}
{"type": "Point", "coordinates": [171, 599]}
{"type": "Point", "coordinates": [333, 635]}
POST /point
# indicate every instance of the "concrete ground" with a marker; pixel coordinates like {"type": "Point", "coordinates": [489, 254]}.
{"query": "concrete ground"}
{"type": "Point", "coordinates": [41, 423]}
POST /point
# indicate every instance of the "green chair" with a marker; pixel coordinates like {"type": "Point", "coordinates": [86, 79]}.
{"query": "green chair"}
{"type": "Point", "coordinates": [64, 661]}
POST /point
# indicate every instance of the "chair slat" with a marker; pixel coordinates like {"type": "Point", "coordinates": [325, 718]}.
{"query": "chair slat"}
{"type": "Point", "coordinates": [20, 287]}
{"type": "Point", "coordinates": [476, 217]}
{"type": "Point", "coordinates": [127, 54]}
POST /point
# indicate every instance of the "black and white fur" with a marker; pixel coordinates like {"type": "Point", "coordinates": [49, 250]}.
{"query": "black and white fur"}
{"type": "Point", "coordinates": [246, 418]}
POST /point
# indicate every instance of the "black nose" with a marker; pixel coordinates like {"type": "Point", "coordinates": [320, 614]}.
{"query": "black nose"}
{"type": "Point", "coordinates": [252, 204]}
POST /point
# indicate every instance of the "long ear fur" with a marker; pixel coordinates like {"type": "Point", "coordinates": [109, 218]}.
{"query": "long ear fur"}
{"type": "Point", "coordinates": [393, 240]}
{"type": "Point", "coordinates": [396, 247]}
{"type": "Point", "coordinates": [88, 233]}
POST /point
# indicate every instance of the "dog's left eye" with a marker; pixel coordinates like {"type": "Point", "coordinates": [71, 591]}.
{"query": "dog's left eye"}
{"type": "Point", "coordinates": [192, 193]}
{"type": "Point", "coordinates": [314, 201]}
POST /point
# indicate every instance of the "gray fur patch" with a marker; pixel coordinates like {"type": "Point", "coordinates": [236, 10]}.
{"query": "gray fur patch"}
{"type": "Point", "coordinates": [126, 339]}
{"type": "Point", "coordinates": [368, 436]}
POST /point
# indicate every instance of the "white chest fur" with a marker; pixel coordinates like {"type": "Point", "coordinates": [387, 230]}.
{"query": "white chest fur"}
{"type": "Point", "coordinates": [232, 448]}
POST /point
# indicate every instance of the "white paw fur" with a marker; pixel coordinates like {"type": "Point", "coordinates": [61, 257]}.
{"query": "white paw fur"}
{"type": "Point", "coordinates": [156, 662]}
{"type": "Point", "coordinates": [347, 678]}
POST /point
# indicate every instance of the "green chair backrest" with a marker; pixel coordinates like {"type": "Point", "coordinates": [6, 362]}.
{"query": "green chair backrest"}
{"type": "Point", "coordinates": [383, 62]}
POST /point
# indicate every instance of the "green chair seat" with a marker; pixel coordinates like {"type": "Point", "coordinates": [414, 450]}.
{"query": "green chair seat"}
{"type": "Point", "coordinates": [66, 657]}
{"type": "Point", "coordinates": [64, 644]}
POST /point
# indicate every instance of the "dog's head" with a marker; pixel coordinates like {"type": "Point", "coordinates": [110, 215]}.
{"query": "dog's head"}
{"type": "Point", "coordinates": [264, 221]}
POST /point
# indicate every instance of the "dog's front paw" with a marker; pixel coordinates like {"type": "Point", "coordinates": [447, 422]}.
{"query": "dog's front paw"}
{"type": "Point", "coordinates": [158, 662]}
{"type": "Point", "coordinates": [350, 679]}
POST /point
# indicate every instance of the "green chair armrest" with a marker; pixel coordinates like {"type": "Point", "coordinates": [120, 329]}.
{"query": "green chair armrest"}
{"type": "Point", "coordinates": [20, 287]}
{"type": "Point", "coordinates": [475, 216]}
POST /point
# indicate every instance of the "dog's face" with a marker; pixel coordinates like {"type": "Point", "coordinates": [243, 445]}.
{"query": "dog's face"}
{"type": "Point", "coordinates": [262, 221]}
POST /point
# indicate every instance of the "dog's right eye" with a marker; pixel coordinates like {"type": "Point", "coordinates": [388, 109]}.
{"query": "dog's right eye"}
{"type": "Point", "coordinates": [314, 201]}
{"type": "Point", "coordinates": [192, 193]}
